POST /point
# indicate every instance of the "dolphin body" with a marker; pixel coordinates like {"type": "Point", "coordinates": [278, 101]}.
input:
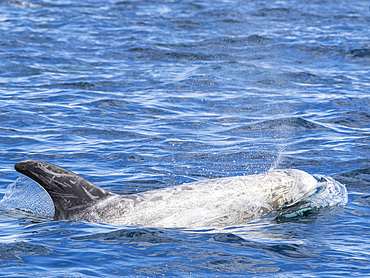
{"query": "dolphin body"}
{"type": "Point", "coordinates": [198, 205]}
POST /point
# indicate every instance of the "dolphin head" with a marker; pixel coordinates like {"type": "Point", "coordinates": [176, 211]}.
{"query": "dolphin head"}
{"type": "Point", "coordinates": [292, 186]}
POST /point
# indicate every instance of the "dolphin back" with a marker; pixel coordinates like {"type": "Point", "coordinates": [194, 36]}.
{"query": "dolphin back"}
{"type": "Point", "coordinates": [70, 193]}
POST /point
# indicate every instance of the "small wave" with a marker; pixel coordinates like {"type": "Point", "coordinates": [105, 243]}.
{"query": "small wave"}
{"type": "Point", "coordinates": [359, 178]}
{"type": "Point", "coordinates": [14, 252]}
{"type": "Point", "coordinates": [359, 55]}
{"type": "Point", "coordinates": [294, 123]}
{"type": "Point", "coordinates": [23, 4]}
{"type": "Point", "coordinates": [130, 235]}
{"type": "Point", "coordinates": [275, 12]}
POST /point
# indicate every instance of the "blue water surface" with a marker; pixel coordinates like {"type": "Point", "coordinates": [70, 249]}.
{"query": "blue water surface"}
{"type": "Point", "coordinates": [142, 95]}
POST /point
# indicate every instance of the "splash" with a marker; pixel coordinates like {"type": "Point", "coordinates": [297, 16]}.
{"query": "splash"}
{"type": "Point", "coordinates": [27, 195]}
{"type": "Point", "coordinates": [280, 156]}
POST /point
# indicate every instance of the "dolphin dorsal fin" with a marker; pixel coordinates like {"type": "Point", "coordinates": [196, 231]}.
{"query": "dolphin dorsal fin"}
{"type": "Point", "coordinates": [70, 192]}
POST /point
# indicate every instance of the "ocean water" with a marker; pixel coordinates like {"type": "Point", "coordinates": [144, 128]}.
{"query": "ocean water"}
{"type": "Point", "coordinates": [143, 95]}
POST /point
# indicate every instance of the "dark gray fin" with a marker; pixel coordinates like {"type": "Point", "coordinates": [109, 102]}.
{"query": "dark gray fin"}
{"type": "Point", "coordinates": [70, 193]}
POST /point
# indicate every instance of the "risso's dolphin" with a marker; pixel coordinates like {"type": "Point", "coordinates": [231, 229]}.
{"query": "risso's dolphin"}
{"type": "Point", "coordinates": [203, 204]}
